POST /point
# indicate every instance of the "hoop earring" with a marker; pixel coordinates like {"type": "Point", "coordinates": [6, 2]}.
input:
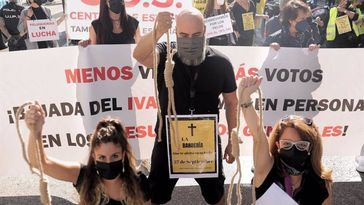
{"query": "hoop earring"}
{"type": "Point", "coordinates": [123, 170]}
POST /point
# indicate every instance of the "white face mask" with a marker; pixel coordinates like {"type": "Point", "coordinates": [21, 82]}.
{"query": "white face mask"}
{"type": "Point", "coordinates": [220, 2]}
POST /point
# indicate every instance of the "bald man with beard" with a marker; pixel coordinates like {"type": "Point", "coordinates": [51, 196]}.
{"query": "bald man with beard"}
{"type": "Point", "coordinates": [200, 75]}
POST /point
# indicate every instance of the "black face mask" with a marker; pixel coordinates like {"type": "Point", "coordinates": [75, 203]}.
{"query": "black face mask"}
{"type": "Point", "coordinates": [293, 160]}
{"type": "Point", "coordinates": [302, 26]}
{"type": "Point", "coordinates": [109, 170]}
{"type": "Point", "coordinates": [116, 6]}
{"type": "Point", "coordinates": [39, 2]}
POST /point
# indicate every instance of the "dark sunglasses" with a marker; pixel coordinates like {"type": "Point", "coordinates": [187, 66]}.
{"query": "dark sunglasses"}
{"type": "Point", "coordinates": [306, 120]}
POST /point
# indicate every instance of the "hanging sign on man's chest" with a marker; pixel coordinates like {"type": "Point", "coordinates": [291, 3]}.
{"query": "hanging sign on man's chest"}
{"type": "Point", "coordinates": [193, 153]}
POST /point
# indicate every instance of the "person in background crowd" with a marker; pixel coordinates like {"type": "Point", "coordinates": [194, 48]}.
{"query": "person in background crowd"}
{"type": "Point", "coordinates": [214, 8]}
{"type": "Point", "coordinates": [2, 43]}
{"type": "Point", "coordinates": [330, 3]}
{"type": "Point", "coordinates": [321, 16]}
{"type": "Point", "coordinates": [9, 20]}
{"type": "Point", "coordinates": [274, 23]}
{"type": "Point", "coordinates": [36, 12]}
{"type": "Point", "coordinates": [108, 178]}
{"type": "Point", "coordinates": [361, 23]}
{"type": "Point", "coordinates": [291, 157]}
{"type": "Point", "coordinates": [296, 31]}
{"type": "Point", "coordinates": [244, 12]}
{"type": "Point", "coordinates": [114, 25]}
{"type": "Point", "coordinates": [358, 25]}
{"type": "Point", "coordinates": [345, 36]}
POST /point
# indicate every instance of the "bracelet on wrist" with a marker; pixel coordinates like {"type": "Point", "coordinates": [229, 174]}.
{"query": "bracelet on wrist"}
{"type": "Point", "coordinates": [246, 105]}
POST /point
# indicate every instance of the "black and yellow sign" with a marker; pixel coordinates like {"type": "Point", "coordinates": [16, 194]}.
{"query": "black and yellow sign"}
{"type": "Point", "coordinates": [248, 21]}
{"type": "Point", "coordinates": [200, 5]}
{"type": "Point", "coordinates": [193, 154]}
{"type": "Point", "coordinates": [343, 24]}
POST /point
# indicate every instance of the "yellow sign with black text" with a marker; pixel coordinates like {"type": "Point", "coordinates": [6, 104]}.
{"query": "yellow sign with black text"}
{"type": "Point", "coordinates": [193, 153]}
{"type": "Point", "coordinates": [200, 5]}
{"type": "Point", "coordinates": [248, 21]}
{"type": "Point", "coordinates": [343, 24]}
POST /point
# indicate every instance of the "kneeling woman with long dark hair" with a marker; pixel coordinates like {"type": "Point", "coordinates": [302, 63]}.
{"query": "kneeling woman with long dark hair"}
{"type": "Point", "coordinates": [109, 176]}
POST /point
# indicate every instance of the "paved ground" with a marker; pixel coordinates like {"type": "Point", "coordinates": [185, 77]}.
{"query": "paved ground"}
{"type": "Point", "coordinates": [23, 190]}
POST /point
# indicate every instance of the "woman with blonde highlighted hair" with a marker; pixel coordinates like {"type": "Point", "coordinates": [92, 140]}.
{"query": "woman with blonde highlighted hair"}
{"type": "Point", "coordinates": [291, 157]}
{"type": "Point", "coordinates": [108, 178]}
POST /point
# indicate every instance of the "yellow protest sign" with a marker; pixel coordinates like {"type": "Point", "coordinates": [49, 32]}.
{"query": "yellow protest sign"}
{"type": "Point", "coordinates": [200, 5]}
{"type": "Point", "coordinates": [260, 10]}
{"type": "Point", "coordinates": [343, 24]}
{"type": "Point", "coordinates": [248, 21]}
{"type": "Point", "coordinates": [194, 154]}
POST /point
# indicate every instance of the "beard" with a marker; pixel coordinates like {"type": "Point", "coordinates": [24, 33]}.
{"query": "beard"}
{"type": "Point", "coordinates": [193, 62]}
{"type": "Point", "coordinates": [193, 56]}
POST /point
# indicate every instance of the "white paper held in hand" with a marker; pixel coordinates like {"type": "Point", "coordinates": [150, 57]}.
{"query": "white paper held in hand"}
{"type": "Point", "coordinates": [275, 196]}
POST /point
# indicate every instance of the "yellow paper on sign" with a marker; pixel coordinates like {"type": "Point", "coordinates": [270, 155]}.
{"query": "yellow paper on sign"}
{"type": "Point", "coordinates": [200, 5]}
{"type": "Point", "coordinates": [343, 24]}
{"type": "Point", "coordinates": [248, 21]}
{"type": "Point", "coordinates": [260, 10]}
{"type": "Point", "coordinates": [197, 147]}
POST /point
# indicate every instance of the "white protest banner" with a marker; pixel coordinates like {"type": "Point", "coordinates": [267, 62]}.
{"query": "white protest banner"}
{"type": "Point", "coordinates": [79, 86]}
{"type": "Point", "coordinates": [82, 12]}
{"type": "Point", "coordinates": [42, 30]}
{"type": "Point", "coordinates": [218, 25]}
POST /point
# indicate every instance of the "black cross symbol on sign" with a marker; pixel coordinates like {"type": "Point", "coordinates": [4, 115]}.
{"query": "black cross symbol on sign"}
{"type": "Point", "coordinates": [192, 127]}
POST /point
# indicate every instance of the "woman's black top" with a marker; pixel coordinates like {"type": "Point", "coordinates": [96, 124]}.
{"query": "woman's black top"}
{"type": "Point", "coordinates": [143, 183]}
{"type": "Point", "coordinates": [118, 38]}
{"type": "Point", "coordinates": [312, 191]}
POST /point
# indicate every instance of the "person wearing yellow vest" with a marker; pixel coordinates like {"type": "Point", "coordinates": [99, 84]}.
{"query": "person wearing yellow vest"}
{"type": "Point", "coordinates": [359, 24]}
{"type": "Point", "coordinates": [342, 32]}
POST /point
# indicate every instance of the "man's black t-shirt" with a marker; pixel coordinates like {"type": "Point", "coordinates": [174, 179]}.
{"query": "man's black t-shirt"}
{"type": "Point", "coordinates": [11, 13]}
{"type": "Point", "coordinates": [215, 76]}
